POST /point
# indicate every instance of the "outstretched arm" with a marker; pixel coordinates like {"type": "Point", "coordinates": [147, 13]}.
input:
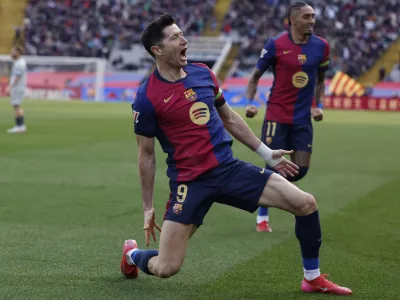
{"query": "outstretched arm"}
{"type": "Point", "coordinates": [239, 129]}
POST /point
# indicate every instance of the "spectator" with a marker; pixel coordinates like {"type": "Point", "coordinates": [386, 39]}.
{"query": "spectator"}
{"type": "Point", "coordinates": [382, 73]}
{"type": "Point", "coordinates": [92, 27]}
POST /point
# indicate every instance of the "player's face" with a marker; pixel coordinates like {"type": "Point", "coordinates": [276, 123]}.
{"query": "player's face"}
{"type": "Point", "coordinates": [175, 46]}
{"type": "Point", "coordinates": [305, 20]}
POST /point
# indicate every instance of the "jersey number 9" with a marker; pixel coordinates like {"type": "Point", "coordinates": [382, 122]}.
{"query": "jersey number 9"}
{"type": "Point", "coordinates": [181, 193]}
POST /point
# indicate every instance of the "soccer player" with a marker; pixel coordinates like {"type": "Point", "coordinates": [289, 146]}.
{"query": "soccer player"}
{"type": "Point", "coordinates": [16, 89]}
{"type": "Point", "coordinates": [182, 106]}
{"type": "Point", "coordinates": [299, 60]}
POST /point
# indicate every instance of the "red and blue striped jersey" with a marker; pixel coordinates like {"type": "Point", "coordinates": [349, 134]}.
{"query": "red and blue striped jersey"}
{"type": "Point", "coordinates": [295, 68]}
{"type": "Point", "coordinates": [182, 115]}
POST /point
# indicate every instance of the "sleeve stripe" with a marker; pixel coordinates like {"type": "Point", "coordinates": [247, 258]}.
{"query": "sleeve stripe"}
{"type": "Point", "coordinates": [218, 95]}
{"type": "Point", "coordinates": [324, 64]}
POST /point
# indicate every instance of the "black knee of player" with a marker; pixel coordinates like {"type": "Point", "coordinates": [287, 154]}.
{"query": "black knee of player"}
{"type": "Point", "coordinates": [302, 172]}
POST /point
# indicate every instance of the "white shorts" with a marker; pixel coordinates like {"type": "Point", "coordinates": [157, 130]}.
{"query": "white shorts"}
{"type": "Point", "coordinates": [16, 97]}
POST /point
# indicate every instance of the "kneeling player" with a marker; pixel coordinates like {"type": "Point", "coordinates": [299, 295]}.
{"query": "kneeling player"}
{"type": "Point", "coordinates": [182, 106]}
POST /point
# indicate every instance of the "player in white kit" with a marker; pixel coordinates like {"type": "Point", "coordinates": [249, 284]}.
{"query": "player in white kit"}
{"type": "Point", "coordinates": [16, 89]}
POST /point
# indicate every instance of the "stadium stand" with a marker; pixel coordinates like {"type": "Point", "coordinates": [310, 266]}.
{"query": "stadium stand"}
{"type": "Point", "coordinates": [11, 18]}
{"type": "Point", "coordinates": [358, 31]}
{"type": "Point", "coordinates": [92, 28]}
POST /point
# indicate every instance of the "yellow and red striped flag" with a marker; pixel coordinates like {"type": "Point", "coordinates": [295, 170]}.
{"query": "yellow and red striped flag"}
{"type": "Point", "coordinates": [342, 83]}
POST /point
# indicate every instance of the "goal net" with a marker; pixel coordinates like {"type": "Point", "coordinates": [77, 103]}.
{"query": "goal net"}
{"type": "Point", "coordinates": [59, 77]}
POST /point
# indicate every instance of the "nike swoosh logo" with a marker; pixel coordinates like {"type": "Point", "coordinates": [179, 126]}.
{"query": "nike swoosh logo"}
{"type": "Point", "coordinates": [324, 289]}
{"type": "Point", "coordinates": [169, 98]}
{"type": "Point", "coordinates": [309, 146]}
{"type": "Point", "coordinates": [262, 171]}
{"type": "Point", "coordinates": [286, 52]}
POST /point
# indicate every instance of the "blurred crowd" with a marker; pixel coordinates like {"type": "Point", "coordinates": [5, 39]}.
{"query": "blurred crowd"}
{"type": "Point", "coordinates": [358, 31]}
{"type": "Point", "coordinates": [92, 27]}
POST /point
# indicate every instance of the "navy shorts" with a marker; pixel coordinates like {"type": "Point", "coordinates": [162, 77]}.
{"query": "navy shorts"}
{"type": "Point", "coordinates": [237, 183]}
{"type": "Point", "coordinates": [287, 136]}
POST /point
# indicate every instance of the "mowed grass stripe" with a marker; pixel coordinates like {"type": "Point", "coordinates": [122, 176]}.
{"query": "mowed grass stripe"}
{"type": "Point", "coordinates": [360, 250]}
{"type": "Point", "coordinates": [73, 200]}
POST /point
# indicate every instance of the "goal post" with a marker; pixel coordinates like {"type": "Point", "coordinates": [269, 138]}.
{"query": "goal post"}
{"type": "Point", "coordinates": [61, 76]}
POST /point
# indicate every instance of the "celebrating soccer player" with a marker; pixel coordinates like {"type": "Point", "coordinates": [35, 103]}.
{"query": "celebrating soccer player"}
{"type": "Point", "coordinates": [182, 106]}
{"type": "Point", "coordinates": [299, 60]}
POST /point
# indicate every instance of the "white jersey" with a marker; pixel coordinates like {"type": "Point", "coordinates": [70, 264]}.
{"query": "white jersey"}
{"type": "Point", "coordinates": [18, 69]}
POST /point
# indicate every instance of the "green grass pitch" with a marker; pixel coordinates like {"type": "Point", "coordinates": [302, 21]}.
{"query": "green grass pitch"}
{"type": "Point", "coordinates": [70, 195]}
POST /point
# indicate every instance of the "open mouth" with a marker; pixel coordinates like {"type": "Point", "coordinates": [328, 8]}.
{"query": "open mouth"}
{"type": "Point", "coordinates": [183, 54]}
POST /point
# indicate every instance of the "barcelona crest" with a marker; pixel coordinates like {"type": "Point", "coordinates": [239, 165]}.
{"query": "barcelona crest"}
{"type": "Point", "coordinates": [190, 95]}
{"type": "Point", "coordinates": [302, 58]}
{"type": "Point", "coordinates": [177, 209]}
